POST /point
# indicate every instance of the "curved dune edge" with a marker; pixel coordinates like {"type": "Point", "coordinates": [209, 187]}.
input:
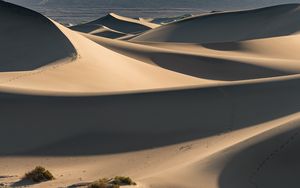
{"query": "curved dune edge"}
{"type": "Point", "coordinates": [29, 40]}
{"type": "Point", "coordinates": [150, 25]}
{"type": "Point", "coordinates": [185, 164]}
{"type": "Point", "coordinates": [29, 82]}
{"type": "Point", "coordinates": [159, 66]}
{"type": "Point", "coordinates": [266, 22]}
{"type": "Point", "coordinates": [107, 32]}
{"type": "Point", "coordinates": [262, 152]}
{"type": "Point", "coordinates": [137, 109]}
{"type": "Point", "coordinates": [108, 71]}
{"type": "Point", "coordinates": [167, 20]}
{"type": "Point", "coordinates": [243, 60]}
{"type": "Point", "coordinates": [114, 24]}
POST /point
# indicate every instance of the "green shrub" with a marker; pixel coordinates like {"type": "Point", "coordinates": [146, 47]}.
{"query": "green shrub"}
{"type": "Point", "coordinates": [39, 174]}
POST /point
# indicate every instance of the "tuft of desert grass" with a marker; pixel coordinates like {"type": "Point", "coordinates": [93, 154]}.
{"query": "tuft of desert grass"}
{"type": "Point", "coordinates": [39, 174]}
{"type": "Point", "coordinates": [115, 182]}
{"type": "Point", "coordinates": [122, 180]}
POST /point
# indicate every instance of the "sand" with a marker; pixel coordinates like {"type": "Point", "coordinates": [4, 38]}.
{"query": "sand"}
{"type": "Point", "coordinates": [217, 27]}
{"type": "Point", "coordinates": [112, 25]}
{"type": "Point", "coordinates": [179, 105]}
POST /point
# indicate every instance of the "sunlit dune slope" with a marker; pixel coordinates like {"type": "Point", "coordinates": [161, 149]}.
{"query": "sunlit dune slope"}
{"type": "Point", "coordinates": [261, 58]}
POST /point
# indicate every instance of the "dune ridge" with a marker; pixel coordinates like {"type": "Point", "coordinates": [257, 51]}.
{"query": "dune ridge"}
{"type": "Point", "coordinates": [169, 110]}
{"type": "Point", "coordinates": [108, 70]}
{"type": "Point", "coordinates": [115, 24]}
{"type": "Point", "coordinates": [244, 61]}
{"type": "Point", "coordinates": [229, 26]}
{"type": "Point", "coordinates": [27, 32]}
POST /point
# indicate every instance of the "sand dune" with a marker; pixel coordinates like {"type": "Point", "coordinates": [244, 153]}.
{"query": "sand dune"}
{"type": "Point", "coordinates": [95, 70]}
{"type": "Point", "coordinates": [107, 32]}
{"type": "Point", "coordinates": [166, 20]}
{"type": "Point", "coordinates": [23, 34]}
{"type": "Point", "coordinates": [229, 26]}
{"type": "Point", "coordinates": [115, 24]}
{"type": "Point", "coordinates": [240, 61]}
{"type": "Point", "coordinates": [167, 108]}
{"type": "Point", "coordinates": [95, 133]}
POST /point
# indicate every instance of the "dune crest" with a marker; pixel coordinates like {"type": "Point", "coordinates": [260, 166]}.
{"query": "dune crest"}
{"type": "Point", "coordinates": [217, 61]}
{"type": "Point", "coordinates": [116, 24]}
{"type": "Point", "coordinates": [96, 71]}
{"type": "Point", "coordinates": [229, 26]}
{"type": "Point", "coordinates": [29, 40]}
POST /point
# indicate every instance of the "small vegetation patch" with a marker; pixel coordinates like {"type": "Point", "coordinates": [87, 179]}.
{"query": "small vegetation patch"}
{"type": "Point", "coordinates": [112, 183]}
{"type": "Point", "coordinates": [121, 180]}
{"type": "Point", "coordinates": [39, 174]}
{"type": "Point", "coordinates": [102, 185]}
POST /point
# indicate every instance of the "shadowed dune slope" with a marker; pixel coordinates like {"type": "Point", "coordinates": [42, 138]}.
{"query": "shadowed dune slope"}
{"type": "Point", "coordinates": [270, 159]}
{"type": "Point", "coordinates": [263, 156]}
{"type": "Point", "coordinates": [28, 40]}
{"type": "Point", "coordinates": [117, 23]}
{"type": "Point", "coordinates": [179, 116]}
{"type": "Point", "coordinates": [230, 26]}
